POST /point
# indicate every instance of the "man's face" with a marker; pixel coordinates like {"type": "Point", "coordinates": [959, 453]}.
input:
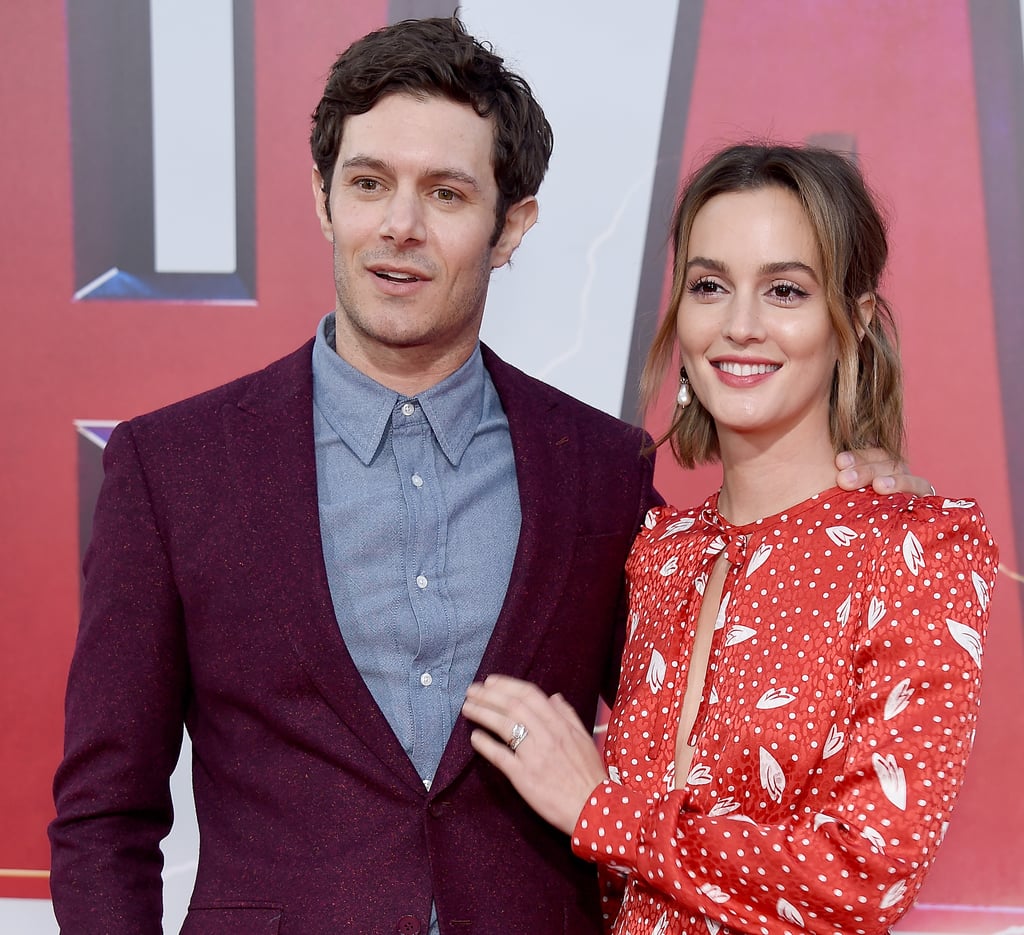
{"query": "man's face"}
{"type": "Point", "coordinates": [412, 208]}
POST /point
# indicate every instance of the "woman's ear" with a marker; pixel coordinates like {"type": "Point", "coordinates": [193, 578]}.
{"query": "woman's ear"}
{"type": "Point", "coordinates": [865, 314]}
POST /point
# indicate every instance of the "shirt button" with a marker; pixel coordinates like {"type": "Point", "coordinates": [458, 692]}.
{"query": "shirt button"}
{"type": "Point", "coordinates": [408, 409]}
{"type": "Point", "coordinates": [426, 679]}
{"type": "Point", "coordinates": [421, 581]}
{"type": "Point", "coordinates": [417, 481]}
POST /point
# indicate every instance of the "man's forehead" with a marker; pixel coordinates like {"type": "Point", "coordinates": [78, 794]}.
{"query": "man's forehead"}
{"type": "Point", "coordinates": [431, 134]}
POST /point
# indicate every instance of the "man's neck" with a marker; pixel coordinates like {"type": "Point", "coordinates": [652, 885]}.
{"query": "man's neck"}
{"type": "Point", "coordinates": [406, 370]}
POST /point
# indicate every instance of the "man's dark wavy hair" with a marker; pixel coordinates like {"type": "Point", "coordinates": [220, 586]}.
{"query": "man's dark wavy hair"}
{"type": "Point", "coordinates": [437, 57]}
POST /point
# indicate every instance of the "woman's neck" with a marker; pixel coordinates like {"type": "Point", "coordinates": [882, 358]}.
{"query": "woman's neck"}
{"type": "Point", "coordinates": [758, 483]}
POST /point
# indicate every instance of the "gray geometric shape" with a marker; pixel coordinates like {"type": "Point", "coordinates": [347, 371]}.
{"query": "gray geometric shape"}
{"type": "Point", "coordinates": [998, 54]}
{"type": "Point", "coordinates": [111, 104]}
{"type": "Point", "coordinates": [399, 10]}
{"type": "Point", "coordinates": [92, 439]}
{"type": "Point", "coordinates": [663, 198]}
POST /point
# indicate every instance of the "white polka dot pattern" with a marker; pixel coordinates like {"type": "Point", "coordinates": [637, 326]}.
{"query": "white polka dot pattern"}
{"type": "Point", "coordinates": [838, 712]}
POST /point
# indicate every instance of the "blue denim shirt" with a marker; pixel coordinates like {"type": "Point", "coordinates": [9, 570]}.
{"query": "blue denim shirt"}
{"type": "Point", "coordinates": [419, 517]}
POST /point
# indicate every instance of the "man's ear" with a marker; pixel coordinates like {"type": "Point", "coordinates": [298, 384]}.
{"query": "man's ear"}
{"type": "Point", "coordinates": [323, 211]}
{"type": "Point", "coordinates": [865, 314]}
{"type": "Point", "coordinates": [518, 220]}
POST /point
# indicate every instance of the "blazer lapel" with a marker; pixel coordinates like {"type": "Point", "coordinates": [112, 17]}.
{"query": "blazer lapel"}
{"type": "Point", "coordinates": [270, 441]}
{"type": "Point", "coordinates": [546, 472]}
{"type": "Point", "coordinates": [546, 466]}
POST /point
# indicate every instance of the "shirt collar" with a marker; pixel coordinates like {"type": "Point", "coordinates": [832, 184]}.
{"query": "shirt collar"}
{"type": "Point", "coordinates": [359, 408]}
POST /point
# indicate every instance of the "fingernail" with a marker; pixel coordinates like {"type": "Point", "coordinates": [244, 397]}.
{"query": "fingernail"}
{"type": "Point", "coordinates": [844, 460]}
{"type": "Point", "coordinates": [847, 478]}
{"type": "Point", "coordinates": [887, 483]}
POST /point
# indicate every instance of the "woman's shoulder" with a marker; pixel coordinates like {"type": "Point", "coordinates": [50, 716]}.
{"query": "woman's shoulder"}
{"type": "Point", "coordinates": [668, 519]}
{"type": "Point", "coordinates": [887, 511]}
{"type": "Point", "coordinates": [921, 531]}
{"type": "Point", "coordinates": [664, 528]}
{"type": "Point", "coordinates": [867, 507]}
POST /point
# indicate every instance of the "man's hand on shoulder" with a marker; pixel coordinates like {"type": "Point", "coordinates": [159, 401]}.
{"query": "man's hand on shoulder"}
{"type": "Point", "coordinates": [874, 466]}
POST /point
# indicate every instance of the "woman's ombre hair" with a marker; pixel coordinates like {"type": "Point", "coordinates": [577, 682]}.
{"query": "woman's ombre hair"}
{"type": "Point", "coordinates": [866, 404]}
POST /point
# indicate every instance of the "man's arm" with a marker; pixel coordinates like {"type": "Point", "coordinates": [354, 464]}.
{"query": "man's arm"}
{"type": "Point", "coordinates": [874, 466]}
{"type": "Point", "coordinates": [124, 712]}
{"type": "Point", "coordinates": [648, 499]}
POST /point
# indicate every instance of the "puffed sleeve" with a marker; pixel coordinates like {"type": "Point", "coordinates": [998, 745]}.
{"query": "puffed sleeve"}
{"type": "Point", "coordinates": [854, 852]}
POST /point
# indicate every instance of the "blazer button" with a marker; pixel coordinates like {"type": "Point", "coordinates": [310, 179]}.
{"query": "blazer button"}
{"type": "Point", "coordinates": [437, 809]}
{"type": "Point", "coordinates": [409, 925]}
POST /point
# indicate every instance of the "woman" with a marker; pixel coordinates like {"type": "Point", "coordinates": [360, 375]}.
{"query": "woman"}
{"type": "Point", "coordinates": [800, 682]}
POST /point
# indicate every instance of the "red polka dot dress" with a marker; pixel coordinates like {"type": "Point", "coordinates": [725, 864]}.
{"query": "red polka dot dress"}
{"type": "Point", "coordinates": [838, 711]}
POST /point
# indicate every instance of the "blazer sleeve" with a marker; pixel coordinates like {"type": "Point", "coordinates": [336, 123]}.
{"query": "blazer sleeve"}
{"type": "Point", "coordinates": [647, 499]}
{"type": "Point", "coordinates": [125, 706]}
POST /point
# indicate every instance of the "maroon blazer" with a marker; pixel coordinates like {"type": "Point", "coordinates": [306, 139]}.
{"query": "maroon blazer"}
{"type": "Point", "coordinates": [206, 604]}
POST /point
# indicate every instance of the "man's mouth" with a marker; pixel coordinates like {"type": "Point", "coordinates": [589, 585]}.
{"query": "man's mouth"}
{"type": "Point", "coordinates": [392, 276]}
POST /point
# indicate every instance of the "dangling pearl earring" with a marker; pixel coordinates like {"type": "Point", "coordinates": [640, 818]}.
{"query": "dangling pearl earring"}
{"type": "Point", "coordinates": [683, 397]}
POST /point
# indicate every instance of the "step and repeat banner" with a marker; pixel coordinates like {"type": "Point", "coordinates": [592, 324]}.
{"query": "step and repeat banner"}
{"type": "Point", "coordinates": [158, 238]}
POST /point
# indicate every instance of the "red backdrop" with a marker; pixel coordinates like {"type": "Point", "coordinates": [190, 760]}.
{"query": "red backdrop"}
{"type": "Point", "coordinates": [896, 78]}
{"type": "Point", "coordinates": [66, 360]}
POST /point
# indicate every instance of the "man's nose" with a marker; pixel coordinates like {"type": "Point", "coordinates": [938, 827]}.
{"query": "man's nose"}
{"type": "Point", "coordinates": [403, 218]}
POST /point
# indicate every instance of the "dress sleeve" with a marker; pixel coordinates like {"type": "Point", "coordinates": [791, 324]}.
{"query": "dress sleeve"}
{"type": "Point", "coordinates": [124, 712]}
{"type": "Point", "coordinates": [853, 853]}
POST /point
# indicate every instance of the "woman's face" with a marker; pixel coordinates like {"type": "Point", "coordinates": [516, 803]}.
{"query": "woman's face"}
{"type": "Point", "coordinates": [754, 331]}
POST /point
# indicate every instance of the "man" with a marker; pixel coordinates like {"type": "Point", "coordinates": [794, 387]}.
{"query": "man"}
{"type": "Point", "coordinates": [308, 566]}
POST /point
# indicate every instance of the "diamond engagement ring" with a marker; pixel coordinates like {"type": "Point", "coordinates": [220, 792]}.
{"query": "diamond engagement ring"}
{"type": "Point", "coordinates": [519, 733]}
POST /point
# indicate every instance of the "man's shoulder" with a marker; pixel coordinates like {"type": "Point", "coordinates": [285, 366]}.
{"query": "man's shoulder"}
{"type": "Point", "coordinates": [287, 379]}
{"type": "Point", "coordinates": [517, 388]}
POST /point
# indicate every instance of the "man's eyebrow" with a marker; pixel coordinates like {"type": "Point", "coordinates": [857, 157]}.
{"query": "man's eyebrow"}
{"type": "Point", "coordinates": [455, 175]}
{"type": "Point", "coordinates": [439, 174]}
{"type": "Point", "coordinates": [359, 161]}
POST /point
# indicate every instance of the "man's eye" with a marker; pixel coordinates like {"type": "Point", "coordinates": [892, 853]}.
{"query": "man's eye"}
{"type": "Point", "coordinates": [367, 185]}
{"type": "Point", "coordinates": [446, 194]}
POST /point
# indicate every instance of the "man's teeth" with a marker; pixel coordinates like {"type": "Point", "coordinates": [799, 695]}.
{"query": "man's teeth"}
{"type": "Point", "coordinates": [745, 370]}
{"type": "Point", "coordinates": [396, 277]}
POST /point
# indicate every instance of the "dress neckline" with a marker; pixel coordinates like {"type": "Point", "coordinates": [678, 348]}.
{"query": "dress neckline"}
{"type": "Point", "coordinates": [710, 514]}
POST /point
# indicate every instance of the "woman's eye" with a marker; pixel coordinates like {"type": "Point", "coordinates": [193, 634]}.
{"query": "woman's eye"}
{"type": "Point", "coordinates": [787, 291]}
{"type": "Point", "coordinates": [703, 287]}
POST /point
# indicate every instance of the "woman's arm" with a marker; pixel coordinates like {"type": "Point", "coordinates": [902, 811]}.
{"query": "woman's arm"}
{"type": "Point", "coordinates": [854, 851]}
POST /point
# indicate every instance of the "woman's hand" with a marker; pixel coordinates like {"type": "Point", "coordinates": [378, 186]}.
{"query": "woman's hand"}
{"type": "Point", "coordinates": [555, 765]}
